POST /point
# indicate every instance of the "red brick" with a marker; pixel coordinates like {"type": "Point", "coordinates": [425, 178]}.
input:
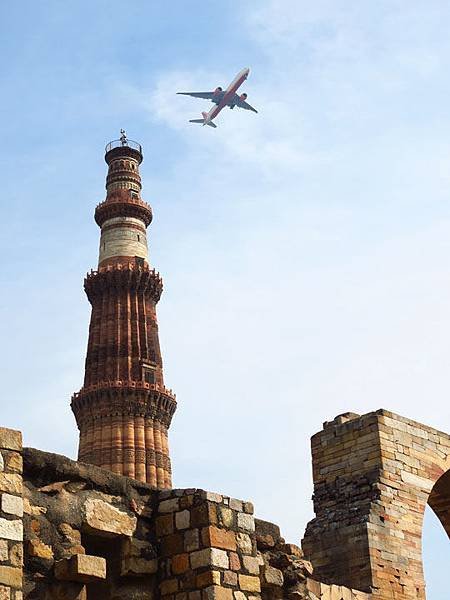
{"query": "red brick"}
{"type": "Point", "coordinates": [219, 538]}
{"type": "Point", "coordinates": [180, 563]}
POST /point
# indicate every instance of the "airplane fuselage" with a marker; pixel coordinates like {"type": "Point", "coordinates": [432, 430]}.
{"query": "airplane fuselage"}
{"type": "Point", "coordinates": [228, 94]}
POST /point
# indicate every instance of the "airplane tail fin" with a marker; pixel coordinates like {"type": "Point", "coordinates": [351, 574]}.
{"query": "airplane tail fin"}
{"type": "Point", "coordinates": [203, 121]}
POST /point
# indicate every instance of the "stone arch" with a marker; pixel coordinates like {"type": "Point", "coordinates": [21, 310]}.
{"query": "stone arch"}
{"type": "Point", "coordinates": [439, 500]}
{"type": "Point", "coordinates": [373, 477]}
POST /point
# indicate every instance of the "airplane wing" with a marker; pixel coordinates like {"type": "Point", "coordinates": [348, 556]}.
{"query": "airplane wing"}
{"type": "Point", "coordinates": [204, 95]}
{"type": "Point", "coordinates": [239, 101]}
{"type": "Point", "coordinates": [247, 106]}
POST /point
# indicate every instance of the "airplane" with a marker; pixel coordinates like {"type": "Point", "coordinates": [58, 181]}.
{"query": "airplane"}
{"type": "Point", "coordinates": [222, 98]}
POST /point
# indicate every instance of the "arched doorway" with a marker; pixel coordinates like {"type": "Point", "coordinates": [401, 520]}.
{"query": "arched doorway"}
{"type": "Point", "coordinates": [435, 539]}
{"type": "Point", "coordinates": [435, 556]}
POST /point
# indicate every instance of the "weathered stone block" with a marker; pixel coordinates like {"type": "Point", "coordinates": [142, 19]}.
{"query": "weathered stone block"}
{"type": "Point", "coordinates": [248, 508]}
{"type": "Point", "coordinates": [10, 439]}
{"type": "Point", "coordinates": [191, 540]}
{"type": "Point", "coordinates": [213, 497]}
{"type": "Point", "coordinates": [244, 543]}
{"type": "Point", "coordinates": [81, 568]}
{"type": "Point", "coordinates": [236, 504]}
{"type": "Point", "coordinates": [164, 525]}
{"type": "Point", "coordinates": [249, 583]}
{"type": "Point", "coordinates": [225, 516]}
{"type": "Point", "coordinates": [273, 577]}
{"type": "Point", "coordinates": [4, 554]}
{"type": "Point", "coordinates": [11, 530]}
{"type": "Point", "coordinates": [209, 557]}
{"type": "Point", "coordinates": [251, 564]}
{"type": "Point", "coordinates": [267, 534]}
{"type": "Point", "coordinates": [417, 481]}
{"type": "Point", "coordinates": [36, 547]}
{"type": "Point", "coordinates": [182, 519]}
{"type": "Point", "coordinates": [12, 505]}
{"type": "Point", "coordinates": [168, 506]}
{"type": "Point", "coordinates": [180, 563]}
{"type": "Point", "coordinates": [16, 555]}
{"type": "Point", "coordinates": [5, 593]}
{"type": "Point", "coordinates": [216, 592]}
{"type": "Point", "coordinates": [208, 578]}
{"type": "Point", "coordinates": [11, 482]}
{"type": "Point", "coordinates": [230, 578]}
{"type": "Point", "coordinates": [235, 563]}
{"type": "Point", "coordinates": [11, 576]}
{"type": "Point", "coordinates": [246, 522]}
{"type": "Point", "coordinates": [219, 538]}
{"type": "Point", "coordinates": [14, 462]}
{"type": "Point", "coordinates": [104, 519]}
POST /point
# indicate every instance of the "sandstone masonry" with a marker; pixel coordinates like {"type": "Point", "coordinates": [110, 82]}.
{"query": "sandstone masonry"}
{"type": "Point", "coordinates": [72, 531]}
{"type": "Point", "coordinates": [93, 535]}
{"type": "Point", "coordinates": [373, 476]}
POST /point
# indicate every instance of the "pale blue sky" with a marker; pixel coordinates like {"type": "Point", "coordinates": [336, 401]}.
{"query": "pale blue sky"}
{"type": "Point", "coordinates": [305, 250]}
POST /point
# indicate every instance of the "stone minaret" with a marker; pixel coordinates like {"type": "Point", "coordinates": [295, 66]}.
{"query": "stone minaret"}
{"type": "Point", "coordinates": [123, 410]}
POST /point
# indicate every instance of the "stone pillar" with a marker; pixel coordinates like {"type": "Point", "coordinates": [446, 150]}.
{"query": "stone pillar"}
{"type": "Point", "coordinates": [373, 476]}
{"type": "Point", "coordinates": [208, 547]}
{"type": "Point", "coordinates": [11, 514]}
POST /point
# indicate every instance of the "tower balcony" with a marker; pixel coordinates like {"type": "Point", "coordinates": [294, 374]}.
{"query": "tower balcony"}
{"type": "Point", "coordinates": [124, 276]}
{"type": "Point", "coordinates": [120, 143]}
{"type": "Point", "coordinates": [121, 203]}
{"type": "Point", "coordinates": [123, 147]}
{"type": "Point", "coordinates": [137, 397]}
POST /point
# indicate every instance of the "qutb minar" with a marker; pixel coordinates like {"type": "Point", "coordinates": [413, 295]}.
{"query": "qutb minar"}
{"type": "Point", "coordinates": [124, 410]}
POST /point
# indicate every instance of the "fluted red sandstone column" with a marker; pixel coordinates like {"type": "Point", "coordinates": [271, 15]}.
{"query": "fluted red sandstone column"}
{"type": "Point", "coordinates": [124, 410]}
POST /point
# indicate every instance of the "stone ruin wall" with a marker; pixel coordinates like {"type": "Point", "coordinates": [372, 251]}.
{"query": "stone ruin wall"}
{"type": "Point", "coordinates": [71, 531]}
{"type": "Point", "coordinates": [373, 477]}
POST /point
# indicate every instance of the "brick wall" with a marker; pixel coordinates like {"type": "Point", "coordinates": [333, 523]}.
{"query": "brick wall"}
{"type": "Point", "coordinates": [373, 476]}
{"type": "Point", "coordinates": [207, 546]}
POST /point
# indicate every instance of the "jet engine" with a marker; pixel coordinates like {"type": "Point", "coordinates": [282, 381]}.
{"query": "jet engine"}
{"type": "Point", "coordinates": [217, 90]}
{"type": "Point", "coordinates": [243, 97]}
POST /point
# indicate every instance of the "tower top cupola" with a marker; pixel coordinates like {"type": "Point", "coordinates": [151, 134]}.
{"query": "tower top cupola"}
{"type": "Point", "coordinates": [123, 157]}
